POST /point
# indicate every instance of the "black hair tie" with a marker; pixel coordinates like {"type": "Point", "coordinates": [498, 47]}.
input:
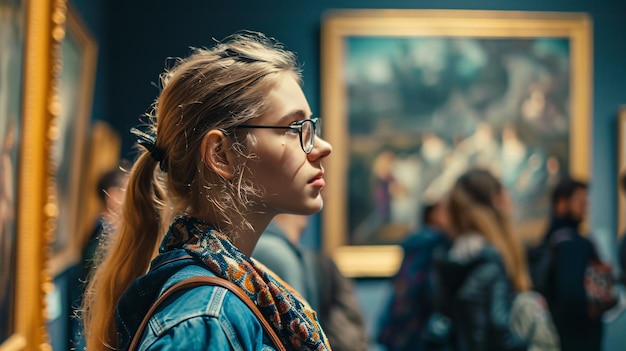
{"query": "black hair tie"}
{"type": "Point", "coordinates": [236, 55]}
{"type": "Point", "coordinates": [148, 141]}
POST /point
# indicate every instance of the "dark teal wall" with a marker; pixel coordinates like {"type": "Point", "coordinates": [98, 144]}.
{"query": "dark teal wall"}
{"type": "Point", "coordinates": [94, 15]}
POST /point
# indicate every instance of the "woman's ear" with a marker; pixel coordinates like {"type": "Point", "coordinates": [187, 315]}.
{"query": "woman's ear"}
{"type": "Point", "coordinates": [217, 154]}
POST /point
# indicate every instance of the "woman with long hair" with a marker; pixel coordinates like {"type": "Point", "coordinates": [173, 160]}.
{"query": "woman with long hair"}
{"type": "Point", "coordinates": [479, 275]}
{"type": "Point", "coordinates": [230, 144]}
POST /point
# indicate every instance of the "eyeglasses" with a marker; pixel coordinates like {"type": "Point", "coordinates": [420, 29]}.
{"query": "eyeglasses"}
{"type": "Point", "coordinates": [306, 128]}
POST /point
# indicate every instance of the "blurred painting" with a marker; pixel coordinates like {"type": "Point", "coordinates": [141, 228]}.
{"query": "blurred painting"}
{"type": "Point", "coordinates": [12, 32]}
{"type": "Point", "coordinates": [414, 98]}
{"type": "Point", "coordinates": [421, 111]}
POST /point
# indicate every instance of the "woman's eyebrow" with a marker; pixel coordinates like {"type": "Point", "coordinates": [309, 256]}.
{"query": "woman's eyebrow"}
{"type": "Point", "coordinates": [300, 114]}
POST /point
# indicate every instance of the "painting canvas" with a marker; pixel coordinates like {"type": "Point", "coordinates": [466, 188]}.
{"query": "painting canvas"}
{"type": "Point", "coordinates": [411, 108]}
{"type": "Point", "coordinates": [12, 33]}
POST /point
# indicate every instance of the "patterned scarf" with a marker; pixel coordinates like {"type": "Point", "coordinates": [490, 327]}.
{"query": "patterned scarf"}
{"type": "Point", "coordinates": [295, 323]}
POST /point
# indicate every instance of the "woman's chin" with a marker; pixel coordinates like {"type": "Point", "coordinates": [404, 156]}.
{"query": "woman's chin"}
{"type": "Point", "coordinates": [312, 208]}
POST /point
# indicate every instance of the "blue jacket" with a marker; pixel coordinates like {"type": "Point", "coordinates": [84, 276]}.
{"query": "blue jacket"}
{"type": "Point", "coordinates": [202, 318]}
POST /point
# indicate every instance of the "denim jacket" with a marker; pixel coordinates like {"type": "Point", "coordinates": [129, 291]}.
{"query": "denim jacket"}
{"type": "Point", "coordinates": [201, 318]}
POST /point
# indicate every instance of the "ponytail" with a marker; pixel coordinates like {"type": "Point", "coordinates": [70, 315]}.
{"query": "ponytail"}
{"type": "Point", "coordinates": [472, 210]}
{"type": "Point", "coordinates": [124, 256]}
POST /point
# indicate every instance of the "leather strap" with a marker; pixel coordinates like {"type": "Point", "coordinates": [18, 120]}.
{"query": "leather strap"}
{"type": "Point", "coordinates": [208, 280]}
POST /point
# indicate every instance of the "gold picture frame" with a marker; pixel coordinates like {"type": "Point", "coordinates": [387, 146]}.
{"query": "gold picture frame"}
{"type": "Point", "coordinates": [79, 52]}
{"type": "Point", "coordinates": [621, 169]}
{"type": "Point", "coordinates": [357, 50]}
{"type": "Point", "coordinates": [44, 30]}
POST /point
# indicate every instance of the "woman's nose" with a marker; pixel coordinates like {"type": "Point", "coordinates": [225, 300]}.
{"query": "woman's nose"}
{"type": "Point", "coordinates": [321, 149]}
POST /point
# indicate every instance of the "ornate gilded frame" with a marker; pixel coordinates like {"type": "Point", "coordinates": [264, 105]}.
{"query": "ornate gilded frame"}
{"type": "Point", "coordinates": [36, 209]}
{"type": "Point", "coordinates": [69, 165]}
{"type": "Point", "coordinates": [383, 260]}
{"type": "Point", "coordinates": [70, 128]}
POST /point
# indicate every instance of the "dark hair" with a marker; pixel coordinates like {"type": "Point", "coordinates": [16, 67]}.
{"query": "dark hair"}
{"type": "Point", "coordinates": [480, 185]}
{"type": "Point", "coordinates": [111, 179]}
{"type": "Point", "coordinates": [427, 211]}
{"type": "Point", "coordinates": [565, 188]}
{"type": "Point", "coordinates": [471, 202]}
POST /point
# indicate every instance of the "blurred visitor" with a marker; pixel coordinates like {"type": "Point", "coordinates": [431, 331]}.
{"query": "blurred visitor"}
{"type": "Point", "coordinates": [410, 303]}
{"type": "Point", "coordinates": [111, 188]}
{"type": "Point", "coordinates": [477, 278]}
{"type": "Point", "coordinates": [579, 329]}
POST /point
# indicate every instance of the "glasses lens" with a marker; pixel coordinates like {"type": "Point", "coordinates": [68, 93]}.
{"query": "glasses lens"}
{"type": "Point", "coordinates": [308, 136]}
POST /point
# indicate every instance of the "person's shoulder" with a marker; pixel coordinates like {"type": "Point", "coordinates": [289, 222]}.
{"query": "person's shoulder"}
{"type": "Point", "coordinates": [208, 313]}
{"type": "Point", "coordinates": [473, 248]}
{"type": "Point", "coordinates": [271, 241]}
{"type": "Point", "coordinates": [484, 273]}
{"type": "Point", "coordinates": [471, 261]}
{"type": "Point", "coordinates": [487, 265]}
{"type": "Point", "coordinates": [277, 253]}
{"type": "Point", "coordinates": [205, 300]}
{"type": "Point", "coordinates": [489, 259]}
{"type": "Point", "coordinates": [211, 298]}
{"type": "Point", "coordinates": [194, 300]}
{"type": "Point", "coordinates": [425, 238]}
{"type": "Point", "coordinates": [571, 238]}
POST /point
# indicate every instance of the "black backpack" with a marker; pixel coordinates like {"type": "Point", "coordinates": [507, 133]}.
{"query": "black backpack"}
{"type": "Point", "coordinates": [541, 261]}
{"type": "Point", "coordinates": [409, 306]}
{"type": "Point", "coordinates": [541, 266]}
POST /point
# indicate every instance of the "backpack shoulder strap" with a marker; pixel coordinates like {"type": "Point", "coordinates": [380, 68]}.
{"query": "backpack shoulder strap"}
{"type": "Point", "coordinates": [207, 280]}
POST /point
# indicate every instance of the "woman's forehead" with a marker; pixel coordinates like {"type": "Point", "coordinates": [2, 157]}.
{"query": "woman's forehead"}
{"type": "Point", "coordinates": [286, 101]}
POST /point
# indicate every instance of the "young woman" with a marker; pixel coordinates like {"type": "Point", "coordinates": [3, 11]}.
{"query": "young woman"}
{"type": "Point", "coordinates": [232, 143]}
{"type": "Point", "coordinates": [483, 269]}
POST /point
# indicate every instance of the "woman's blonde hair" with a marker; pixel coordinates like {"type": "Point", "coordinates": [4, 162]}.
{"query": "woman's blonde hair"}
{"type": "Point", "coordinates": [216, 88]}
{"type": "Point", "coordinates": [472, 210]}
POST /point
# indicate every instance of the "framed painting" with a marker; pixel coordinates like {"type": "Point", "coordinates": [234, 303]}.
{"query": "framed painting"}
{"type": "Point", "coordinates": [28, 52]}
{"type": "Point", "coordinates": [621, 170]}
{"type": "Point", "coordinates": [12, 34]}
{"type": "Point", "coordinates": [79, 54]}
{"type": "Point", "coordinates": [411, 99]}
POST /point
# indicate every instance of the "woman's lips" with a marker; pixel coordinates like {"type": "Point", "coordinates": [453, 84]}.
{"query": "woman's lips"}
{"type": "Point", "coordinates": [318, 180]}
